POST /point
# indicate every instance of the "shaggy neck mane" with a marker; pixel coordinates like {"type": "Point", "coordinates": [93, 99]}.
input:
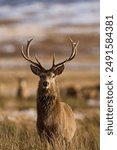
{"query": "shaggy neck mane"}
{"type": "Point", "coordinates": [47, 102]}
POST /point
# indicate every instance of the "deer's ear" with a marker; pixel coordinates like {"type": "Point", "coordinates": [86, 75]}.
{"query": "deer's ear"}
{"type": "Point", "coordinates": [59, 70]}
{"type": "Point", "coordinates": [35, 70]}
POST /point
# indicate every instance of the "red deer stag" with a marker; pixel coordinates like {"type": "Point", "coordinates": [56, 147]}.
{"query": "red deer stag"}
{"type": "Point", "coordinates": [53, 116]}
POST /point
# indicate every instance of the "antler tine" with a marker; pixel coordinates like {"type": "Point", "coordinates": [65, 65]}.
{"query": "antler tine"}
{"type": "Point", "coordinates": [27, 47]}
{"type": "Point", "coordinates": [53, 63]}
{"type": "Point", "coordinates": [27, 55]}
{"type": "Point", "coordinates": [73, 54]}
{"type": "Point", "coordinates": [39, 64]}
{"type": "Point", "coordinates": [74, 48]}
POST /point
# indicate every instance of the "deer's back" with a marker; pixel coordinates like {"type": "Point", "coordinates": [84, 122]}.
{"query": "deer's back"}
{"type": "Point", "coordinates": [67, 121]}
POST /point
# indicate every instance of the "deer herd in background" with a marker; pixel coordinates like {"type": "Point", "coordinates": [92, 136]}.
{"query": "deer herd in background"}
{"type": "Point", "coordinates": [23, 91]}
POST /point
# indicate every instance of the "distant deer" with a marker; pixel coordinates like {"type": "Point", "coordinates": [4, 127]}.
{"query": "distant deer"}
{"type": "Point", "coordinates": [22, 91]}
{"type": "Point", "coordinates": [53, 116]}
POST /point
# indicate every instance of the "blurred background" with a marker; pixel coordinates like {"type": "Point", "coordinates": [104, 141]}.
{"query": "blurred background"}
{"type": "Point", "coordinates": [50, 23]}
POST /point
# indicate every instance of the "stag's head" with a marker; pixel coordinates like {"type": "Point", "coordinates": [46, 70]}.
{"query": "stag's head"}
{"type": "Point", "coordinates": [47, 76]}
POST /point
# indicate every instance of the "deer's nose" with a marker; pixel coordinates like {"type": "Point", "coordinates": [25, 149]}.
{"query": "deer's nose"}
{"type": "Point", "coordinates": [45, 83]}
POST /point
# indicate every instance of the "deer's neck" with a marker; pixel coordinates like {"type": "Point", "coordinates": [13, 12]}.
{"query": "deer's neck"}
{"type": "Point", "coordinates": [47, 102]}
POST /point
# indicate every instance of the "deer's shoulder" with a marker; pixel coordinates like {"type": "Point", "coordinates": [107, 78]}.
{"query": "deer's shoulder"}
{"type": "Point", "coordinates": [65, 107]}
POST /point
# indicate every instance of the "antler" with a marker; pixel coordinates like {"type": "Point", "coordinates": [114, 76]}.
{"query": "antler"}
{"type": "Point", "coordinates": [73, 54]}
{"type": "Point", "coordinates": [27, 56]}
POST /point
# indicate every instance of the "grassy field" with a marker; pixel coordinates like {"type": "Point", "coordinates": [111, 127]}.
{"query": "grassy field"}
{"type": "Point", "coordinates": [20, 133]}
{"type": "Point", "coordinates": [23, 136]}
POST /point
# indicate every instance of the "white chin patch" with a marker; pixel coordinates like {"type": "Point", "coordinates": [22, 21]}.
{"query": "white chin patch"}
{"type": "Point", "coordinates": [45, 87]}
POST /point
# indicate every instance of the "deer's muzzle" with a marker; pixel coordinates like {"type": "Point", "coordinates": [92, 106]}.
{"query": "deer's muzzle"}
{"type": "Point", "coordinates": [45, 84]}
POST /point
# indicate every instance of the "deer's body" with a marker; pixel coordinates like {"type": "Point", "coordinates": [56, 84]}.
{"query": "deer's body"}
{"type": "Point", "coordinates": [54, 118]}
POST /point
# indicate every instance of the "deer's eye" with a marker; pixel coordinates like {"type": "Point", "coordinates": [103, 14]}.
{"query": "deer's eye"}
{"type": "Point", "coordinates": [53, 75]}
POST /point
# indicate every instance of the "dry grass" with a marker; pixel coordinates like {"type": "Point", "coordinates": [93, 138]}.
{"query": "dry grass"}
{"type": "Point", "coordinates": [23, 136]}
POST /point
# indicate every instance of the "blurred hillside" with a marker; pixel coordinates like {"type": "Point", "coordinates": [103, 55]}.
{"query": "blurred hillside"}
{"type": "Point", "coordinates": [50, 24]}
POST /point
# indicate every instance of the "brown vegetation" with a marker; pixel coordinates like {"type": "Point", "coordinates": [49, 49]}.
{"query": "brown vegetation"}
{"type": "Point", "coordinates": [23, 136]}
